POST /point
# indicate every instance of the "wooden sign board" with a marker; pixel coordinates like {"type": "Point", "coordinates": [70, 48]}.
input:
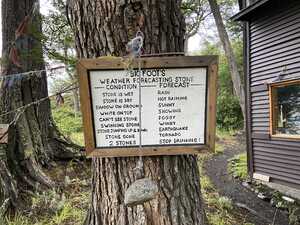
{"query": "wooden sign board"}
{"type": "Point", "coordinates": [178, 96]}
{"type": "Point", "coordinates": [4, 133]}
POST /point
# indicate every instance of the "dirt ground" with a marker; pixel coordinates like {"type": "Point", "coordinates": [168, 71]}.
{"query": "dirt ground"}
{"type": "Point", "coordinates": [256, 211]}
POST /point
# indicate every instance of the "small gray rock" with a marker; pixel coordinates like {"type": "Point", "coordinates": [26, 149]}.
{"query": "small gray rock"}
{"type": "Point", "coordinates": [245, 184]}
{"type": "Point", "coordinates": [261, 196]}
{"type": "Point", "coordinates": [264, 197]}
{"type": "Point", "coordinates": [288, 199]}
{"type": "Point", "coordinates": [140, 191]}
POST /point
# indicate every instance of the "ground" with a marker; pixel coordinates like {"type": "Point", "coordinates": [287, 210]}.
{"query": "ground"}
{"type": "Point", "coordinates": [64, 205]}
{"type": "Point", "coordinates": [246, 204]}
{"type": "Point", "coordinates": [228, 202]}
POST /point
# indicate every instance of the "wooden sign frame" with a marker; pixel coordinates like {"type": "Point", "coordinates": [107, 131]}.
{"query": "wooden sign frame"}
{"type": "Point", "coordinates": [109, 63]}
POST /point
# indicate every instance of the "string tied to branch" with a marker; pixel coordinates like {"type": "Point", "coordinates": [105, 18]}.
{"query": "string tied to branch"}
{"type": "Point", "coordinates": [143, 189]}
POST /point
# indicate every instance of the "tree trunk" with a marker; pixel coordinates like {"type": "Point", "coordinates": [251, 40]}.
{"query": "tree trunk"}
{"type": "Point", "coordinates": [73, 78]}
{"type": "Point", "coordinates": [103, 27]}
{"type": "Point", "coordinates": [233, 66]}
{"type": "Point", "coordinates": [32, 139]}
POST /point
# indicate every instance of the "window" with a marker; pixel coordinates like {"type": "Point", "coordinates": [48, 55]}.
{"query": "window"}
{"type": "Point", "coordinates": [285, 109]}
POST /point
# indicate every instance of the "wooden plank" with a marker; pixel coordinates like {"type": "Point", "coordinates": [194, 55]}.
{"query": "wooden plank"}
{"type": "Point", "coordinates": [86, 108]}
{"type": "Point", "coordinates": [262, 177]}
{"type": "Point", "coordinates": [263, 21]}
{"type": "Point", "coordinates": [278, 164]}
{"type": "Point", "coordinates": [286, 152]}
{"type": "Point", "coordinates": [258, 88]}
{"type": "Point", "coordinates": [283, 39]}
{"type": "Point", "coordinates": [264, 136]}
{"type": "Point", "coordinates": [149, 151]}
{"type": "Point", "coordinates": [277, 156]}
{"type": "Point", "coordinates": [151, 62]}
{"type": "Point", "coordinates": [273, 159]}
{"type": "Point", "coordinates": [271, 121]}
{"type": "Point", "coordinates": [278, 170]}
{"type": "Point", "coordinates": [281, 56]}
{"type": "Point", "coordinates": [285, 143]}
{"type": "Point", "coordinates": [284, 20]}
{"type": "Point", "coordinates": [211, 112]}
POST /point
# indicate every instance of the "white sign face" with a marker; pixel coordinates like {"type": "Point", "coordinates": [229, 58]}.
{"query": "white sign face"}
{"type": "Point", "coordinates": [173, 107]}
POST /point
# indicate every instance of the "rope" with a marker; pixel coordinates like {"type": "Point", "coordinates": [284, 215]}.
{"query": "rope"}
{"type": "Point", "coordinates": [21, 110]}
{"type": "Point", "coordinates": [30, 73]}
{"type": "Point", "coordinates": [140, 164]}
{"type": "Point", "coordinates": [135, 47]}
{"type": "Point", "coordinates": [40, 100]}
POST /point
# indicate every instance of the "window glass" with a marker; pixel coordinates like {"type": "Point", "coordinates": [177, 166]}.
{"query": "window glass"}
{"type": "Point", "coordinates": [287, 109]}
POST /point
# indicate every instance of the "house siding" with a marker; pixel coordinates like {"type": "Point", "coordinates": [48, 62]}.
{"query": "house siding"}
{"type": "Point", "coordinates": [274, 42]}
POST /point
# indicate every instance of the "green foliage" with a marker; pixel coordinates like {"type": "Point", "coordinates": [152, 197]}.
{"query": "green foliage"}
{"type": "Point", "coordinates": [47, 201]}
{"type": "Point", "coordinates": [66, 120]}
{"type": "Point", "coordinates": [225, 134]}
{"type": "Point", "coordinates": [219, 149]}
{"type": "Point", "coordinates": [77, 138]}
{"type": "Point", "coordinates": [67, 213]}
{"type": "Point", "coordinates": [225, 203]}
{"type": "Point", "coordinates": [217, 219]}
{"type": "Point", "coordinates": [18, 219]}
{"type": "Point", "coordinates": [206, 183]}
{"type": "Point", "coordinates": [219, 209]}
{"type": "Point", "coordinates": [294, 217]}
{"type": "Point", "coordinates": [229, 113]}
{"type": "Point", "coordinates": [195, 13]}
{"type": "Point", "coordinates": [238, 166]}
{"type": "Point", "coordinates": [59, 38]}
{"type": "Point", "coordinates": [63, 206]}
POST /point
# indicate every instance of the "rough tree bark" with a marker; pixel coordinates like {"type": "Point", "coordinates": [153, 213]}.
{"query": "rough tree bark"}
{"type": "Point", "coordinates": [233, 66]}
{"type": "Point", "coordinates": [103, 27]}
{"type": "Point", "coordinates": [33, 140]}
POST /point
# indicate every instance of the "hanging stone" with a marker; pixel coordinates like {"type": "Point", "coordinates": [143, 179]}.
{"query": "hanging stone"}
{"type": "Point", "coordinates": [141, 191]}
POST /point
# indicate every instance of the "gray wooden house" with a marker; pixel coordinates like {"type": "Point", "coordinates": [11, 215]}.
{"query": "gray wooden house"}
{"type": "Point", "coordinates": [272, 77]}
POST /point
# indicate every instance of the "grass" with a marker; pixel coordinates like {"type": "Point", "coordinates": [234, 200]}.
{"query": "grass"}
{"type": "Point", "coordinates": [78, 138]}
{"type": "Point", "coordinates": [238, 166]}
{"type": "Point", "coordinates": [225, 134]}
{"type": "Point", "coordinates": [56, 207]}
{"type": "Point", "coordinates": [69, 123]}
{"type": "Point", "coordinates": [219, 209]}
{"type": "Point", "coordinates": [219, 149]}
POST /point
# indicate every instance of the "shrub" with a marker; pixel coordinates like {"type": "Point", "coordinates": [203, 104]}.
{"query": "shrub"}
{"type": "Point", "coordinates": [229, 114]}
{"type": "Point", "coordinates": [66, 120]}
{"type": "Point", "coordinates": [238, 166]}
